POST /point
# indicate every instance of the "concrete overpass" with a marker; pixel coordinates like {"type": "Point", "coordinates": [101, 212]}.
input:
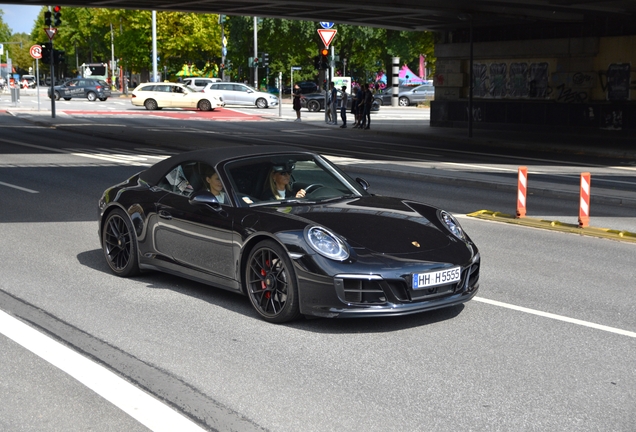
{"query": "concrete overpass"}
{"type": "Point", "coordinates": [543, 63]}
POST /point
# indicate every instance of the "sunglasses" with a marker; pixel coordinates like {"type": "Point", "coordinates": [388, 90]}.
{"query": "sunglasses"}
{"type": "Point", "coordinates": [284, 172]}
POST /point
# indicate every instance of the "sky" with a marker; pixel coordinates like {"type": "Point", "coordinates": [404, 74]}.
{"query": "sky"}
{"type": "Point", "coordinates": [19, 18]}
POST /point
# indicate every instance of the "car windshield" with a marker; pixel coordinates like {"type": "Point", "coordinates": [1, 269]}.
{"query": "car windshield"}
{"type": "Point", "coordinates": [289, 179]}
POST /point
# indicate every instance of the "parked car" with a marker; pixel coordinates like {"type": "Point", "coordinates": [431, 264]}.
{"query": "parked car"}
{"type": "Point", "coordinates": [156, 96]}
{"type": "Point", "coordinates": [199, 83]}
{"type": "Point", "coordinates": [337, 252]}
{"type": "Point", "coordinates": [241, 94]}
{"type": "Point", "coordinates": [27, 81]}
{"type": "Point", "coordinates": [316, 102]}
{"type": "Point", "coordinates": [306, 87]}
{"type": "Point", "coordinates": [407, 95]}
{"type": "Point", "coordinates": [90, 89]}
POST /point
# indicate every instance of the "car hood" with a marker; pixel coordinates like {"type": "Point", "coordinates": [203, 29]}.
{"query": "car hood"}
{"type": "Point", "coordinates": [379, 224]}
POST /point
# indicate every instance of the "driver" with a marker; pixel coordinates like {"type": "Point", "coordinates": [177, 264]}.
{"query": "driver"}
{"type": "Point", "coordinates": [279, 183]}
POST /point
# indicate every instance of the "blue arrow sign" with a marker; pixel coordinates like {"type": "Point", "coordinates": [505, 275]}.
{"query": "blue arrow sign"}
{"type": "Point", "coordinates": [326, 25]}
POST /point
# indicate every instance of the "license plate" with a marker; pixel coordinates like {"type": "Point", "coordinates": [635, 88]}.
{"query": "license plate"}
{"type": "Point", "coordinates": [442, 277]}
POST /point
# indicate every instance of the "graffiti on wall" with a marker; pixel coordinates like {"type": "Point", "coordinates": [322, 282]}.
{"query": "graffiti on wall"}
{"type": "Point", "coordinates": [480, 85]}
{"type": "Point", "coordinates": [498, 82]}
{"type": "Point", "coordinates": [618, 81]}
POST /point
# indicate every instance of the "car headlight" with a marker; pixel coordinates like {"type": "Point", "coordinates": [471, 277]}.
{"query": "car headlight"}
{"type": "Point", "coordinates": [452, 224]}
{"type": "Point", "coordinates": [327, 244]}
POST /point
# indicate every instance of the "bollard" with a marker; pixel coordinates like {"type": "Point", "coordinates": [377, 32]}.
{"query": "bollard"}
{"type": "Point", "coordinates": [522, 189]}
{"type": "Point", "coordinates": [584, 207]}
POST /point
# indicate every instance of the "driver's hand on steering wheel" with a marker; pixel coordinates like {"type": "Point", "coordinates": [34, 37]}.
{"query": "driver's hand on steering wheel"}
{"type": "Point", "coordinates": [300, 194]}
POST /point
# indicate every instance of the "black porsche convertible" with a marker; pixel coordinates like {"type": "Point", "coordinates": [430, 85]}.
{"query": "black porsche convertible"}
{"type": "Point", "coordinates": [328, 248]}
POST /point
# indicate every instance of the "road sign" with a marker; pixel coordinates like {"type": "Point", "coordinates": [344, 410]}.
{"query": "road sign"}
{"type": "Point", "coordinates": [296, 68]}
{"type": "Point", "coordinates": [1, 49]}
{"type": "Point", "coordinates": [326, 25]}
{"type": "Point", "coordinates": [36, 51]}
{"type": "Point", "coordinates": [327, 36]}
{"type": "Point", "coordinates": [51, 32]}
{"type": "Point", "coordinates": [224, 51]}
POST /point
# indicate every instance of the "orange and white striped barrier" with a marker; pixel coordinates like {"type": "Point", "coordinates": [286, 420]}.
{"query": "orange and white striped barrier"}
{"type": "Point", "coordinates": [522, 191]}
{"type": "Point", "coordinates": [584, 207]}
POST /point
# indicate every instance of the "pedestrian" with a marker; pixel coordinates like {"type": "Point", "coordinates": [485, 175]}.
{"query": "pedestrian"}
{"type": "Point", "coordinates": [354, 106]}
{"type": "Point", "coordinates": [368, 101]}
{"type": "Point", "coordinates": [343, 107]}
{"type": "Point", "coordinates": [296, 102]}
{"type": "Point", "coordinates": [360, 108]}
{"type": "Point", "coordinates": [334, 103]}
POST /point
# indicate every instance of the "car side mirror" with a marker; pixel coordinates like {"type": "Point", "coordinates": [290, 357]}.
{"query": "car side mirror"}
{"type": "Point", "coordinates": [206, 198]}
{"type": "Point", "coordinates": [363, 183]}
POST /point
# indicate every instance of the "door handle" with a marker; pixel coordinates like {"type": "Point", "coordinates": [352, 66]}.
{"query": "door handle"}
{"type": "Point", "coordinates": [165, 215]}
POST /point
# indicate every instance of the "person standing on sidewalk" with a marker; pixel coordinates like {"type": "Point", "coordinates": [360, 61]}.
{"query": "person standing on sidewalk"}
{"type": "Point", "coordinates": [343, 107]}
{"type": "Point", "coordinates": [360, 107]}
{"type": "Point", "coordinates": [296, 101]}
{"type": "Point", "coordinates": [333, 104]}
{"type": "Point", "coordinates": [368, 101]}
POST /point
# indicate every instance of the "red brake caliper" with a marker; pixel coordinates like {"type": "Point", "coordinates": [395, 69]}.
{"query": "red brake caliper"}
{"type": "Point", "coordinates": [268, 294]}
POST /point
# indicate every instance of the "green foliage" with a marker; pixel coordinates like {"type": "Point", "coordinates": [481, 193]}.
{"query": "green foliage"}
{"type": "Point", "coordinates": [195, 39]}
{"type": "Point", "coordinates": [5, 31]}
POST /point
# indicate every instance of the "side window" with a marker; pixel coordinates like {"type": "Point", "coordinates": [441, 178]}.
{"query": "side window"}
{"type": "Point", "coordinates": [147, 88]}
{"type": "Point", "coordinates": [240, 88]}
{"type": "Point", "coordinates": [226, 87]}
{"type": "Point", "coordinates": [163, 88]}
{"type": "Point", "coordinates": [183, 179]}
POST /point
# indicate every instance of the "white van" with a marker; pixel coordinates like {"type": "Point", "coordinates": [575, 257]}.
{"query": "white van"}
{"type": "Point", "coordinates": [198, 84]}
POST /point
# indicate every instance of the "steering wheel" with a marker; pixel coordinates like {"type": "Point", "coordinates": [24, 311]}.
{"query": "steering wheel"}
{"type": "Point", "coordinates": [312, 188]}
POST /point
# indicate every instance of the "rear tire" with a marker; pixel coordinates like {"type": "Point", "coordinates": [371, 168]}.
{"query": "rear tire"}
{"type": "Point", "coordinates": [404, 101]}
{"type": "Point", "coordinates": [151, 104]}
{"type": "Point", "coordinates": [313, 106]}
{"type": "Point", "coordinates": [119, 243]}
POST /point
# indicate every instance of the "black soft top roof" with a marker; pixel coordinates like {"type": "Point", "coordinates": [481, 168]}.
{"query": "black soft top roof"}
{"type": "Point", "coordinates": [212, 157]}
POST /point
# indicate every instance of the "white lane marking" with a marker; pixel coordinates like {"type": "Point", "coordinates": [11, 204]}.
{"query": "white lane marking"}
{"type": "Point", "coordinates": [18, 187]}
{"type": "Point", "coordinates": [136, 403]}
{"type": "Point", "coordinates": [557, 317]}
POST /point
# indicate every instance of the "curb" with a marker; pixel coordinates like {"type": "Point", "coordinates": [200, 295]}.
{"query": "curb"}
{"type": "Point", "coordinates": [607, 233]}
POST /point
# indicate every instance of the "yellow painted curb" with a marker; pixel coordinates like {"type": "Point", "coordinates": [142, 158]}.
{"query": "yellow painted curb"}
{"type": "Point", "coordinates": [555, 226]}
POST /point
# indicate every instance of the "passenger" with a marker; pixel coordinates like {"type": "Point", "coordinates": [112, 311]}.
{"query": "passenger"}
{"type": "Point", "coordinates": [215, 186]}
{"type": "Point", "coordinates": [279, 183]}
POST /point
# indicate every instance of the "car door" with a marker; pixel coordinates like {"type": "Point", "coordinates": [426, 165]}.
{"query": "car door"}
{"type": "Point", "coordinates": [163, 95]}
{"type": "Point", "coordinates": [197, 237]}
{"type": "Point", "coordinates": [243, 95]}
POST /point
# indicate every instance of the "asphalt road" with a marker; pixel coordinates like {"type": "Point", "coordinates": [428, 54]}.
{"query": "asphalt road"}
{"type": "Point", "coordinates": [548, 343]}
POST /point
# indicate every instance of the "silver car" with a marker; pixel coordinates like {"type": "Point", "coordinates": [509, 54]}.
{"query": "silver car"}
{"type": "Point", "coordinates": [407, 95]}
{"type": "Point", "coordinates": [241, 94]}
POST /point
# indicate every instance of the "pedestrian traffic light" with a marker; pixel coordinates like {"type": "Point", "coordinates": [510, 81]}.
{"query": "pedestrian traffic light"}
{"type": "Point", "coordinates": [47, 18]}
{"type": "Point", "coordinates": [323, 58]}
{"type": "Point", "coordinates": [255, 62]}
{"type": "Point", "coordinates": [59, 57]}
{"type": "Point", "coordinates": [265, 59]}
{"type": "Point", "coordinates": [57, 15]}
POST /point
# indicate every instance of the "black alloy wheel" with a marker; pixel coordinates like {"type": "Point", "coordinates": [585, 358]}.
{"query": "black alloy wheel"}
{"type": "Point", "coordinates": [119, 243]}
{"type": "Point", "coordinates": [271, 283]}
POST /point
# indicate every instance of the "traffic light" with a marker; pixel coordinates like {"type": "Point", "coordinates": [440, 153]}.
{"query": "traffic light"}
{"type": "Point", "coordinates": [57, 15]}
{"type": "Point", "coordinates": [59, 56]}
{"type": "Point", "coordinates": [265, 59]}
{"type": "Point", "coordinates": [47, 18]}
{"type": "Point", "coordinates": [324, 63]}
{"type": "Point", "coordinates": [256, 62]}
{"type": "Point", "coordinates": [46, 52]}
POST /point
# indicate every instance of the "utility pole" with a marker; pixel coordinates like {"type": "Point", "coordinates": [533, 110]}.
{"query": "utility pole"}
{"type": "Point", "coordinates": [256, 52]}
{"type": "Point", "coordinates": [154, 46]}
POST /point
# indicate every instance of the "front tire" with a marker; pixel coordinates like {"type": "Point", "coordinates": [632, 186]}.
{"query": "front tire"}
{"type": "Point", "coordinates": [261, 103]}
{"type": "Point", "coordinates": [119, 243]}
{"type": "Point", "coordinates": [205, 105]}
{"type": "Point", "coordinates": [91, 96]}
{"type": "Point", "coordinates": [57, 95]}
{"type": "Point", "coordinates": [271, 283]}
